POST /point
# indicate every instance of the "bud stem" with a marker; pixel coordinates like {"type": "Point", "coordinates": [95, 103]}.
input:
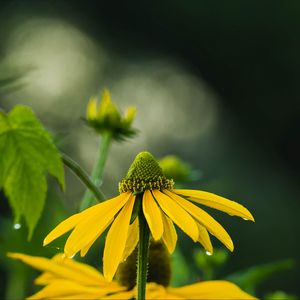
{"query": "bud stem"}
{"type": "Point", "coordinates": [82, 175]}
{"type": "Point", "coordinates": [97, 173]}
{"type": "Point", "coordinates": [143, 253]}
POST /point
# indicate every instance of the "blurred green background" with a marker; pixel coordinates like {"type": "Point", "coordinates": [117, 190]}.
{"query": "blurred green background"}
{"type": "Point", "coordinates": [215, 83]}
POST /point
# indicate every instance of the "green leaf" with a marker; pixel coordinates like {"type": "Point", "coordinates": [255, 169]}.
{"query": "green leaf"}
{"type": "Point", "coordinates": [251, 278]}
{"type": "Point", "coordinates": [27, 154]}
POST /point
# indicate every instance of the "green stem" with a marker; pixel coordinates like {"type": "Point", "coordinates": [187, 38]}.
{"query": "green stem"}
{"type": "Point", "coordinates": [82, 175]}
{"type": "Point", "coordinates": [143, 253]}
{"type": "Point", "coordinates": [98, 169]}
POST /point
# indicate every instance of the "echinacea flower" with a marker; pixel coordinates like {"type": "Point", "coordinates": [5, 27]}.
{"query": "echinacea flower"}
{"type": "Point", "coordinates": [64, 278]}
{"type": "Point", "coordinates": [107, 118]}
{"type": "Point", "coordinates": [146, 186]}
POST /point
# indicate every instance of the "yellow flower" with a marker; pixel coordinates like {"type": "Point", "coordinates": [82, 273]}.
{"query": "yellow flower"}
{"type": "Point", "coordinates": [107, 118]}
{"type": "Point", "coordinates": [145, 186]}
{"type": "Point", "coordinates": [214, 290]}
{"type": "Point", "coordinates": [63, 278]}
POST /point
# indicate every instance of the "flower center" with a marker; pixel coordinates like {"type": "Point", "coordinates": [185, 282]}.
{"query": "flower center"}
{"type": "Point", "coordinates": [159, 267]}
{"type": "Point", "coordinates": [145, 174]}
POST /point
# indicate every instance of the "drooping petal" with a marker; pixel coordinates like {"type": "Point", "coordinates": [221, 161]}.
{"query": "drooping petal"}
{"type": "Point", "coordinates": [86, 248]}
{"type": "Point", "coordinates": [78, 267]}
{"type": "Point", "coordinates": [45, 278]}
{"type": "Point", "coordinates": [217, 289]}
{"type": "Point", "coordinates": [204, 239]}
{"type": "Point", "coordinates": [94, 223]}
{"type": "Point", "coordinates": [128, 295]}
{"type": "Point", "coordinates": [156, 291]}
{"type": "Point", "coordinates": [204, 219]}
{"type": "Point", "coordinates": [132, 238]}
{"type": "Point", "coordinates": [65, 289]}
{"type": "Point", "coordinates": [86, 275]}
{"type": "Point", "coordinates": [209, 199]}
{"type": "Point", "coordinates": [169, 236]}
{"type": "Point", "coordinates": [62, 228]}
{"type": "Point", "coordinates": [116, 240]}
{"type": "Point", "coordinates": [152, 214]}
{"type": "Point", "coordinates": [177, 214]}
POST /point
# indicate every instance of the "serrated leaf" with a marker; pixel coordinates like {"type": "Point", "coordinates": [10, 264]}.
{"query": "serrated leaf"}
{"type": "Point", "coordinates": [27, 154]}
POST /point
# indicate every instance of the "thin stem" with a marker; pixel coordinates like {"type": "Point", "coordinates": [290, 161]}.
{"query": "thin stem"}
{"type": "Point", "coordinates": [143, 253]}
{"type": "Point", "coordinates": [98, 169]}
{"type": "Point", "coordinates": [82, 175]}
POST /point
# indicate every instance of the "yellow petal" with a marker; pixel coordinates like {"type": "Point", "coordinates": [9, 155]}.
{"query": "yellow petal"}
{"type": "Point", "coordinates": [152, 214]}
{"type": "Point", "coordinates": [204, 219]}
{"type": "Point", "coordinates": [116, 240]}
{"type": "Point", "coordinates": [77, 267]}
{"type": "Point", "coordinates": [45, 278]}
{"type": "Point", "coordinates": [92, 109]}
{"type": "Point", "coordinates": [94, 223]}
{"type": "Point", "coordinates": [65, 289]}
{"type": "Point", "coordinates": [217, 289]}
{"type": "Point", "coordinates": [204, 239]}
{"type": "Point", "coordinates": [156, 291]}
{"type": "Point", "coordinates": [130, 114]}
{"type": "Point", "coordinates": [132, 238]}
{"type": "Point", "coordinates": [169, 236]}
{"type": "Point", "coordinates": [120, 296]}
{"type": "Point", "coordinates": [209, 199]}
{"type": "Point", "coordinates": [86, 248]}
{"type": "Point", "coordinates": [62, 228]}
{"type": "Point", "coordinates": [177, 214]}
{"type": "Point", "coordinates": [85, 275]}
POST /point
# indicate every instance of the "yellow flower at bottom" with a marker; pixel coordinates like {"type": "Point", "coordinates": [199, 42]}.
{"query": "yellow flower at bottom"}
{"type": "Point", "coordinates": [162, 206]}
{"type": "Point", "coordinates": [64, 278]}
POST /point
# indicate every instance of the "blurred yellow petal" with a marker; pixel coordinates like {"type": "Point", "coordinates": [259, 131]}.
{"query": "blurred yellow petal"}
{"type": "Point", "coordinates": [78, 267]}
{"type": "Point", "coordinates": [177, 214]}
{"type": "Point", "coordinates": [65, 289]}
{"type": "Point", "coordinates": [116, 240]}
{"type": "Point", "coordinates": [130, 114]}
{"type": "Point", "coordinates": [204, 219]}
{"type": "Point", "coordinates": [91, 112]}
{"type": "Point", "coordinates": [217, 289]}
{"type": "Point", "coordinates": [169, 236]}
{"type": "Point", "coordinates": [45, 278]}
{"type": "Point", "coordinates": [204, 239]}
{"type": "Point", "coordinates": [152, 214]}
{"type": "Point", "coordinates": [120, 296]}
{"type": "Point", "coordinates": [107, 107]}
{"type": "Point", "coordinates": [62, 228]}
{"type": "Point", "coordinates": [209, 199]}
{"type": "Point", "coordinates": [59, 270]}
{"type": "Point", "coordinates": [94, 223]}
{"type": "Point", "coordinates": [132, 238]}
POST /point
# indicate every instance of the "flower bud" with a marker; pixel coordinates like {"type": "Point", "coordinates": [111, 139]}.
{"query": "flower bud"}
{"type": "Point", "coordinates": [105, 117]}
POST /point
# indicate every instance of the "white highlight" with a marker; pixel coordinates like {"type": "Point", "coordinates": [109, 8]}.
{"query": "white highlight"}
{"type": "Point", "coordinates": [17, 226]}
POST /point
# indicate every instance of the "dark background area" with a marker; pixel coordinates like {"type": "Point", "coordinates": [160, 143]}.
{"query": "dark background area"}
{"type": "Point", "coordinates": [248, 52]}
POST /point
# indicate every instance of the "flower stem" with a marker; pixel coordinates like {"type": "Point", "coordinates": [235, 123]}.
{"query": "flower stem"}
{"type": "Point", "coordinates": [143, 253]}
{"type": "Point", "coordinates": [98, 169]}
{"type": "Point", "coordinates": [82, 175]}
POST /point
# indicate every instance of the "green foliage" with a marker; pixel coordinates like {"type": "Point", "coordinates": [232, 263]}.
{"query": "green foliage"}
{"type": "Point", "coordinates": [27, 154]}
{"type": "Point", "coordinates": [178, 262]}
{"type": "Point", "coordinates": [280, 295]}
{"type": "Point", "coordinates": [209, 264]}
{"type": "Point", "coordinates": [251, 278]}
